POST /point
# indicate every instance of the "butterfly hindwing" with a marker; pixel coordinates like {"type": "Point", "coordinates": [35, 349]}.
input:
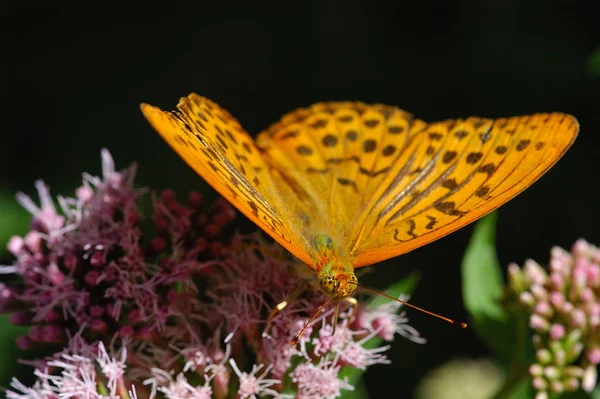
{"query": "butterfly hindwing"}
{"type": "Point", "coordinates": [337, 153]}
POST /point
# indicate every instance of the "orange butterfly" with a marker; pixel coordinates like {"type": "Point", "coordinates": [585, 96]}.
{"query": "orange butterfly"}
{"type": "Point", "coordinates": [345, 184]}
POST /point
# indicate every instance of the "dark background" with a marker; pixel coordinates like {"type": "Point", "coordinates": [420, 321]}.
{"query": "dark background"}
{"type": "Point", "coordinates": [71, 83]}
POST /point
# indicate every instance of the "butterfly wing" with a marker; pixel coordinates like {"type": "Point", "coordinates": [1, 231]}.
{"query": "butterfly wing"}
{"type": "Point", "coordinates": [213, 143]}
{"type": "Point", "coordinates": [373, 179]}
{"type": "Point", "coordinates": [335, 154]}
{"type": "Point", "coordinates": [384, 183]}
{"type": "Point", "coordinates": [454, 172]}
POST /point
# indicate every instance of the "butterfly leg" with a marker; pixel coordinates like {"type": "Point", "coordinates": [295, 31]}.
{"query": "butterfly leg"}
{"type": "Point", "coordinates": [352, 302]}
{"type": "Point", "coordinates": [281, 305]}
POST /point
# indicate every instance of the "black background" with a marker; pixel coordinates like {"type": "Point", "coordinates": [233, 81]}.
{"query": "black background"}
{"type": "Point", "coordinates": [72, 80]}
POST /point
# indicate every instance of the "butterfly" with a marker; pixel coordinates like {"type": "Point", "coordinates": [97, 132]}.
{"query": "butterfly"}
{"type": "Point", "coordinates": [343, 185]}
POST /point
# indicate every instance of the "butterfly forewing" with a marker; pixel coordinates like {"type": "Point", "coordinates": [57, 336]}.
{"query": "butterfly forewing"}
{"type": "Point", "coordinates": [218, 149]}
{"type": "Point", "coordinates": [480, 165]}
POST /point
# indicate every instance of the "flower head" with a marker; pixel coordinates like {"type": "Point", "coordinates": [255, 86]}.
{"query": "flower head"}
{"type": "Point", "coordinates": [174, 311]}
{"type": "Point", "coordinates": [563, 302]}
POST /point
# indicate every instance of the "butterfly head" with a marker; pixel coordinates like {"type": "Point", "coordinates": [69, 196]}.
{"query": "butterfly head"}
{"type": "Point", "coordinates": [340, 283]}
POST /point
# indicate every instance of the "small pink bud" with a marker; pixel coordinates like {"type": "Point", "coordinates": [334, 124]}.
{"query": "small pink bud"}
{"type": "Point", "coordinates": [534, 272]}
{"type": "Point", "coordinates": [212, 230]}
{"type": "Point", "coordinates": [135, 315]}
{"type": "Point", "coordinates": [557, 280]}
{"type": "Point", "coordinates": [567, 308]}
{"type": "Point", "coordinates": [580, 278]}
{"type": "Point", "coordinates": [578, 318]}
{"type": "Point", "coordinates": [161, 223]}
{"type": "Point", "coordinates": [594, 275]}
{"type": "Point", "coordinates": [593, 355]}
{"type": "Point", "coordinates": [596, 256]}
{"type": "Point", "coordinates": [33, 241]}
{"type": "Point", "coordinates": [53, 316]}
{"type": "Point", "coordinates": [99, 326]}
{"type": "Point", "coordinates": [557, 299]}
{"type": "Point", "coordinates": [195, 199]}
{"type": "Point", "coordinates": [126, 331]}
{"type": "Point", "coordinates": [538, 323]}
{"type": "Point", "coordinates": [539, 383]}
{"type": "Point", "coordinates": [539, 292]}
{"type": "Point", "coordinates": [159, 244]}
{"type": "Point", "coordinates": [15, 245]}
{"type": "Point", "coordinates": [91, 278]}
{"type": "Point", "coordinates": [544, 309]}
{"type": "Point", "coordinates": [580, 248]}
{"type": "Point", "coordinates": [35, 334]}
{"type": "Point", "coordinates": [536, 370]}
{"type": "Point", "coordinates": [557, 331]}
{"type": "Point", "coordinates": [25, 343]}
{"type": "Point", "coordinates": [84, 193]}
{"type": "Point", "coordinates": [97, 259]}
{"type": "Point", "coordinates": [587, 295]}
{"type": "Point", "coordinates": [53, 334]}
{"type": "Point", "coordinates": [526, 298]}
{"type": "Point", "coordinates": [168, 196]}
{"type": "Point", "coordinates": [21, 318]}
{"type": "Point", "coordinates": [132, 216]}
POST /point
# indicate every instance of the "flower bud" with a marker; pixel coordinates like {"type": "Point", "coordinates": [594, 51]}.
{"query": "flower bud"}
{"type": "Point", "coordinates": [544, 356]}
{"type": "Point", "coordinates": [590, 376]}
{"type": "Point", "coordinates": [536, 370]}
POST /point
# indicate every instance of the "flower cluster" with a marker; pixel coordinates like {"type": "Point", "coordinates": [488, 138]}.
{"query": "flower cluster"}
{"type": "Point", "coordinates": [564, 312]}
{"type": "Point", "coordinates": [180, 301]}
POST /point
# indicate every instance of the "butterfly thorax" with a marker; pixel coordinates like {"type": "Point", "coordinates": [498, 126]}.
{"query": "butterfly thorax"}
{"type": "Point", "coordinates": [334, 274]}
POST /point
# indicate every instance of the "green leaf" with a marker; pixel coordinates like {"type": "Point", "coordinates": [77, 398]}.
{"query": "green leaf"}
{"type": "Point", "coordinates": [360, 392]}
{"type": "Point", "coordinates": [482, 288]}
{"type": "Point", "coordinates": [482, 277]}
{"type": "Point", "coordinates": [8, 351]}
{"type": "Point", "coordinates": [593, 64]}
{"type": "Point", "coordinates": [15, 219]}
{"type": "Point", "coordinates": [404, 286]}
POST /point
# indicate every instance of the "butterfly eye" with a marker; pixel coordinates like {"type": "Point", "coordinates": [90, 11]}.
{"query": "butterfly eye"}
{"type": "Point", "coordinates": [329, 284]}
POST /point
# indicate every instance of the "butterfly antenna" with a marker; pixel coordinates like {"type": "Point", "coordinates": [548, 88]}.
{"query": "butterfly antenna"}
{"type": "Point", "coordinates": [294, 341]}
{"type": "Point", "coordinates": [447, 319]}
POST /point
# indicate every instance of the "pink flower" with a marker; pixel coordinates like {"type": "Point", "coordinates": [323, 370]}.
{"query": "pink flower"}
{"type": "Point", "coordinates": [319, 381]}
{"type": "Point", "coordinates": [565, 314]}
{"type": "Point", "coordinates": [172, 310]}
{"type": "Point", "coordinates": [252, 385]}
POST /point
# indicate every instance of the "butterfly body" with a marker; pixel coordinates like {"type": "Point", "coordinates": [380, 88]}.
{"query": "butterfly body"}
{"type": "Point", "coordinates": [343, 185]}
{"type": "Point", "coordinates": [335, 274]}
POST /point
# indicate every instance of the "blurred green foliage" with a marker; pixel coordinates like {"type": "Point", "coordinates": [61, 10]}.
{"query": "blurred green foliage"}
{"type": "Point", "coordinates": [593, 64]}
